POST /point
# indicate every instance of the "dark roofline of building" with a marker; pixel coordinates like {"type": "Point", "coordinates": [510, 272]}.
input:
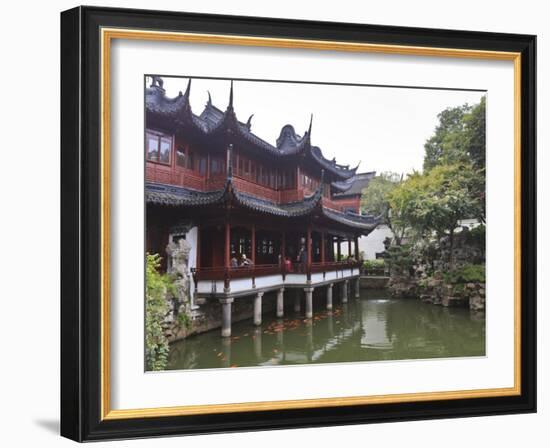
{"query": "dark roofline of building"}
{"type": "Point", "coordinates": [168, 195]}
{"type": "Point", "coordinates": [353, 186]}
{"type": "Point", "coordinates": [178, 110]}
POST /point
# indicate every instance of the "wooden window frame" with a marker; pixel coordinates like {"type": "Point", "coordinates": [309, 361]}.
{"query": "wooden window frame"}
{"type": "Point", "coordinates": [159, 135]}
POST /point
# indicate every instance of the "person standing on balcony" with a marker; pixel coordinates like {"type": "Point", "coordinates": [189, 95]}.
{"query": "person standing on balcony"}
{"type": "Point", "coordinates": [288, 265]}
{"type": "Point", "coordinates": [234, 261]}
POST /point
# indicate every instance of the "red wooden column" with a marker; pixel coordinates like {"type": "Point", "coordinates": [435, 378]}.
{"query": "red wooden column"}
{"type": "Point", "coordinates": [339, 248]}
{"type": "Point", "coordinates": [357, 248]}
{"type": "Point", "coordinates": [253, 245]}
{"type": "Point", "coordinates": [282, 267]}
{"type": "Point", "coordinates": [349, 247]}
{"type": "Point", "coordinates": [227, 255]}
{"type": "Point", "coordinates": [308, 245]}
{"type": "Point", "coordinates": [323, 247]}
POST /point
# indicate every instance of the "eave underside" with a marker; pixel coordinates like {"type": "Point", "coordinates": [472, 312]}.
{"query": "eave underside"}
{"type": "Point", "coordinates": [197, 204]}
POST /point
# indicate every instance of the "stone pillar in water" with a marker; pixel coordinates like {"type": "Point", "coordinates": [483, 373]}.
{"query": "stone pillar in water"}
{"type": "Point", "coordinates": [226, 350]}
{"type": "Point", "coordinates": [329, 296]}
{"type": "Point", "coordinates": [330, 324]}
{"type": "Point", "coordinates": [309, 302]}
{"type": "Point", "coordinates": [309, 340]}
{"type": "Point", "coordinates": [345, 291]}
{"type": "Point", "coordinates": [280, 302]}
{"type": "Point", "coordinates": [258, 308]}
{"type": "Point", "coordinates": [257, 338]}
{"type": "Point", "coordinates": [297, 301]}
{"type": "Point", "coordinates": [226, 316]}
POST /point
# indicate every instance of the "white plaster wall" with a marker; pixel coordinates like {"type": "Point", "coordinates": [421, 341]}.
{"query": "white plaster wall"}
{"type": "Point", "coordinates": [374, 242]}
{"type": "Point", "coordinates": [268, 280]}
{"type": "Point", "coordinates": [316, 278]}
{"type": "Point", "coordinates": [295, 278]}
{"type": "Point", "coordinates": [205, 286]}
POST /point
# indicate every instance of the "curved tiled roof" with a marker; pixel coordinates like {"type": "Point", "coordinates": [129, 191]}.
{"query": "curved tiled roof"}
{"type": "Point", "coordinates": [167, 195]}
{"type": "Point", "coordinates": [287, 210]}
{"type": "Point", "coordinates": [212, 120]}
{"type": "Point", "coordinates": [162, 194]}
{"type": "Point", "coordinates": [354, 185]}
{"type": "Point", "coordinates": [364, 222]}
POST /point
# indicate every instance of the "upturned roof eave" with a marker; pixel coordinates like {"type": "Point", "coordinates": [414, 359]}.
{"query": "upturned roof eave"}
{"type": "Point", "coordinates": [166, 195]}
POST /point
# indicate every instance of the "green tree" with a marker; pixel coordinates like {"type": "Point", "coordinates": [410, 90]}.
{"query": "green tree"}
{"type": "Point", "coordinates": [459, 138]}
{"type": "Point", "coordinates": [158, 288]}
{"type": "Point", "coordinates": [474, 145]}
{"type": "Point", "coordinates": [446, 146]}
{"type": "Point", "coordinates": [375, 200]}
{"type": "Point", "coordinates": [436, 201]}
{"type": "Point", "coordinates": [474, 135]}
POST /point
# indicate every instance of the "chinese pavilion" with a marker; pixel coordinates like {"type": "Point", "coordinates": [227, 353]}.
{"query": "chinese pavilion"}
{"type": "Point", "coordinates": [284, 209]}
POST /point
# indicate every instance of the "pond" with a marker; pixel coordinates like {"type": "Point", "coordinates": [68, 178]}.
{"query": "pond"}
{"type": "Point", "coordinates": [372, 328]}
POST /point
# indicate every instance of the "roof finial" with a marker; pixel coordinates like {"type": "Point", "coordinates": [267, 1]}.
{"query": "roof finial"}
{"type": "Point", "coordinates": [157, 81]}
{"type": "Point", "coordinates": [249, 122]}
{"type": "Point", "coordinates": [310, 123]}
{"type": "Point", "coordinates": [188, 89]}
{"type": "Point", "coordinates": [230, 106]}
{"type": "Point", "coordinates": [209, 99]}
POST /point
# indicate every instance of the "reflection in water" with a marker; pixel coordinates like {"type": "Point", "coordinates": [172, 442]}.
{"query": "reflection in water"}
{"type": "Point", "coordinates": [369, 329]}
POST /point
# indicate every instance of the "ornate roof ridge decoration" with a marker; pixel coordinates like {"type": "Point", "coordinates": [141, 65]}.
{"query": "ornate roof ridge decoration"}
{"type": "Point", "coordinates": [289, 142]}
{"type": "Point", "coordinates": [213, 121]}
{"type": "Point", "coordinates": [354, 185]}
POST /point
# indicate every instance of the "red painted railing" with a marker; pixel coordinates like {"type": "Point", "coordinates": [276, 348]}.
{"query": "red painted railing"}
{"type": "Point", "coordinates": [221, 273]}
{"type": "Point", "coordinates": [333, 266]}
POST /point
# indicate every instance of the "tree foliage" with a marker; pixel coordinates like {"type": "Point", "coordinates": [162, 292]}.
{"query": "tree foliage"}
{"type": "Point", "coordinates": [375, 196]}
{"type": "Point", "coordinates": [474, 135]}
{"type": "Point", "coordinates": [375, 199]}
{"type": "Point", "coordinates": [158, 289]}
{"type": "Point", "coordinates": [436, 201]}
{"type": "Point", "coordinates": [458, 138]}
{"type": "Point", "coordinates": [450, 188]}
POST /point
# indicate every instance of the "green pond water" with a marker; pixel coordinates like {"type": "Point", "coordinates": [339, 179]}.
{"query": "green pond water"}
{"type": "Point", "coordinates": [371, 328]}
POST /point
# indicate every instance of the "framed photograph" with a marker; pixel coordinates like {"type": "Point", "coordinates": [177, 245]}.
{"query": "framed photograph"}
{"type": "Point", "coordinates": [275, 224]}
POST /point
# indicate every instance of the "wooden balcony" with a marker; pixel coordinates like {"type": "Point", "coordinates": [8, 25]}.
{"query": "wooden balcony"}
{"type": "Point", "coordinates": [221, 273]}
{"type": "Point", "coordinates": [246, 280]}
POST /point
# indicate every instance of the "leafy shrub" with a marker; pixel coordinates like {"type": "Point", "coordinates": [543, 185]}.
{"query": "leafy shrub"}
{"type": "Point", "coordinates": [158, 288]}
{"type": "Point", "coordinates": [184, 321]}
{"type": "Point", "coordinates": [374, 267]}
{"type": "Point", "coordinates": [400, 259]}
{"type": "Point", "coordinates": [469, 273]}
{"type": "Point", "coordinates": [477, 237]}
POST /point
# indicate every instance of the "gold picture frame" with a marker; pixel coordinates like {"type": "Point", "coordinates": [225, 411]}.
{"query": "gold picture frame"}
{"type": "Point", "coordinates": [108, 30]}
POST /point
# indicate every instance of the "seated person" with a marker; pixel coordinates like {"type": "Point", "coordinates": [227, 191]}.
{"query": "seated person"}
{"type": "Point", "coordinates": [246, 261]}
